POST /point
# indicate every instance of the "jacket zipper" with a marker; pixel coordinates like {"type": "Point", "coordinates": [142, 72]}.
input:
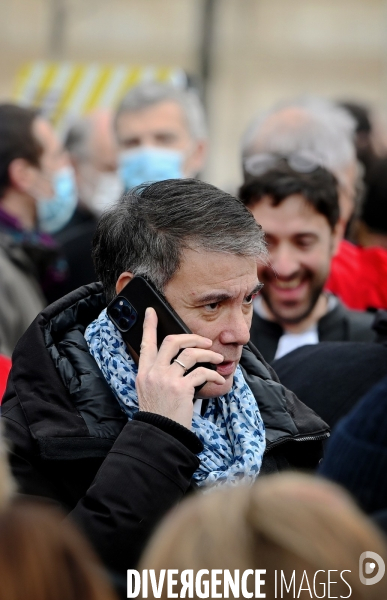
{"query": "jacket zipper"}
{"type": "Point", "coordinates": [309, 438]}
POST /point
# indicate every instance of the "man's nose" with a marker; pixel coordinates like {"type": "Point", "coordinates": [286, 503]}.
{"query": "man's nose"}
{"type": "Point", "coordinates": [284, 262]}
{"type": "Point", "coordinates": [237, 330]}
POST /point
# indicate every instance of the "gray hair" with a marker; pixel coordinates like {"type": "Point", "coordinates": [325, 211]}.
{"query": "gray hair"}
{"type": "Point", "coordinates": [148, 230]}
{"type": "Point", "coordinates": [150, 93]}
{"type": "Point", "coordinates": [326, 131]}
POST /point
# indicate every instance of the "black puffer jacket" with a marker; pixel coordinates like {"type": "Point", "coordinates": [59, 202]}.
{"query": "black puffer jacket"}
{"type": "Point", "coordinates": [71, 443]}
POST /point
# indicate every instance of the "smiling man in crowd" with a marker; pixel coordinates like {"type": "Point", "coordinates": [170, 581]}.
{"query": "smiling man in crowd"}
{"type": "Point", "coordinates": [326, 131]}
{"type": "Point", "coordinates": [296, 203]}
{"type": "Point", "coordinates": [118, 443]}
{"type": "Point", "coordinates": [161, 134]}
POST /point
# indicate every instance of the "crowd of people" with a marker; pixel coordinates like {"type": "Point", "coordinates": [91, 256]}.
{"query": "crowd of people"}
{"type": "Point", "coordinates": [283, 367]}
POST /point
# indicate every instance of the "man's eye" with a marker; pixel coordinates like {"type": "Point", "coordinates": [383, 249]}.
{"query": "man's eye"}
{"type": "Point", "coordinates": [249, 299]}
{"type": "Point", "coordinates": [212, 307]}
{"type": "Point", "coordinates": [306, 243]}
{"type": "Point", "coordinates": [166, 138]}
{"type": "Point", "coordinates": [130, 143]}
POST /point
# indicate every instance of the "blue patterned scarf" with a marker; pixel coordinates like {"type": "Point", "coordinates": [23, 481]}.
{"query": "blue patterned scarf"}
{"type": "Point", "coordinates": [231, 429]}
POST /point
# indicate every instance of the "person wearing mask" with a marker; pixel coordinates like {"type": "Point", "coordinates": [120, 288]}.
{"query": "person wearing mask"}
{"type": "Point", "coordinates": [37, 199]}
{"type": "Point", "coordinates": [161, 134]}
{"type": "Point", "coordinates": [92, 149]}
{"type": "Point", "coordinates": [91, 146]}
{"type": "Point", "coordinates": [296, 203]}
{"type": "Point", "coordinates": [117, 439]}
{"type": "Point", "coordinates": [326, 132]}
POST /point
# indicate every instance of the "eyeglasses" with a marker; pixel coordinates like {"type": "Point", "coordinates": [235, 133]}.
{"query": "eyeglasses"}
{"type": "Point", "coordinates": [301, 162]}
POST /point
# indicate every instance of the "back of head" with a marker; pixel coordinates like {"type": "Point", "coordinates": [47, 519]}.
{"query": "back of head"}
{"type": "Point", "coordinates": [151, 93]}
{"type": "Point", "coordinates": [16, 139]}
{"type": "Point", "coordinates": [361, 114]}
{"type": "Point", "coordinates": [284, 523]}
{"type": "Point", "coordinates": [316, 185]}
{"type": "Point", "coordinates": [310, 124]}
{"type": "Point", "coordinates": [91, 138]}
{"type": "Point", "coordinates": [77, 140]}
{"type": "Point", "coordinates": [147, 231]}
{"type": "Point", "coordinates": [43, 557]}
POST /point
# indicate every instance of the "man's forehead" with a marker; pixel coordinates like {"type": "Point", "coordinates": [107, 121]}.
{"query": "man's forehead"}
{"type": "Point", "coordinates": [168, 111]}
{"type": "Point", "coordinates": [203, 270]}
{"type": "Point", "coordinates": [294, 205]}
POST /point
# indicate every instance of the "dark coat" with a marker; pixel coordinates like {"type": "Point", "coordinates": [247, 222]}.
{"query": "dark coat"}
{"type": "Point", "coordinates": [331, 377]}
{"type": "Point", "coordinates": [339, 325]}
{"type": "Point", "coordinates": [75, 240]}
{"type": "Point", "coordinates": [356, 455]}
{"type": "Point", "coordinates": [71, 443]}
{"type": "Point", "coordinates": [21, 297]}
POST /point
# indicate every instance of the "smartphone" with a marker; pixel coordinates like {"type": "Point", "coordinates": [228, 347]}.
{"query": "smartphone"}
{"type": "Point", "coordinates": [127, 311]}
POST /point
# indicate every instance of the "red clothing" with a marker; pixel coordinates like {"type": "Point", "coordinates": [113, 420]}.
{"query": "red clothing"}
{"type": "Point", "coordinates": [5, 367]}
{"type": "Point", "coordinates": [359, 276]}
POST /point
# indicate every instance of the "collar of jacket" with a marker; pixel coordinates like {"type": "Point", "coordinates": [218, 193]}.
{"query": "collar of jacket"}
{"type": "Point", "coordinates": [34, 259]}
{"type": "Point", "coordinates": [286, 418]}
{"type": "Point", "coordinates": [64, 395]}
{"type": "Point", "coordinates": [17, 254]}
{"type": "Point", "coordinates": [337, 325]}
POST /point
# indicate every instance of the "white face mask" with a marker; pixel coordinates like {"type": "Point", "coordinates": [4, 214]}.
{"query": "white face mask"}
{"type": "Point", "coordinates": [106, 191]}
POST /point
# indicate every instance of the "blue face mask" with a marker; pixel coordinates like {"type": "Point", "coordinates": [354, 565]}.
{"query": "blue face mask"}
{"type": "Point", "coordinates": [149, 164]}
{"type": "Point", "coordinates": [54, 213]}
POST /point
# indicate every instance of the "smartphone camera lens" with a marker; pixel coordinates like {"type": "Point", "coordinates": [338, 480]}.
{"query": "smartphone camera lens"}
{"type": "Point", "coordinates": [122, 314]}
{"type": "Point", "coordinates": [124, 323]}
{"type": "Point", "coordinates": [115, 313]}
{"type": "Point", "coordinates": [126, 310]}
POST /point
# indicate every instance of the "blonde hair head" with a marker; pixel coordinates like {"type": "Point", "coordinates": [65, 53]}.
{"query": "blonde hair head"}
{"type": "Point", "coordinates": [284, 522]}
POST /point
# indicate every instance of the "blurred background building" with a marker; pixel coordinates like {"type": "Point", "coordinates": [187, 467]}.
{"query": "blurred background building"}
{"type": "Point", "coordinates": [245, 54]}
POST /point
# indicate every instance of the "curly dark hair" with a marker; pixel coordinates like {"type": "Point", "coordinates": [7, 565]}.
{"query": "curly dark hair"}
{"type": "Point", "coordinates": [319, 187]}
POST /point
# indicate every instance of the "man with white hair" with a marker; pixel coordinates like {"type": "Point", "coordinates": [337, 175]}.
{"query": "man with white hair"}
{"type": "Point", "coordinates": [321, 132]}
{"type": "Point", "coordinates": [161, 134]}
{"type": "Point", "coordinates": [317, 128]}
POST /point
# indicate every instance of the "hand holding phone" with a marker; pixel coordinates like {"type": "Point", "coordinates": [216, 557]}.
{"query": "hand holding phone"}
{"type": "Point", "coordinates": [162, 385]}
{"type": "Point", "coordinates": [195, 362]}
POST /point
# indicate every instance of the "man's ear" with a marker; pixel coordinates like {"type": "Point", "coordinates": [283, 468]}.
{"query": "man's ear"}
{"type": "Point", "coordinates": [123, 280]}
{"type": "Point", "coordinates": [198, 157]}
{"type": "Point", "coordinates": [20, 174]}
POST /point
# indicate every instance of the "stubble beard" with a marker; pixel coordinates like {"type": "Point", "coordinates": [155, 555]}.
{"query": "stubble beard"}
{"type": "Point", "coordinates": [284, 320]}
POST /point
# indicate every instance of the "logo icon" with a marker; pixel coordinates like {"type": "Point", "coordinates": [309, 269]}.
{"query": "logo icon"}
{"type": "Point", "coordinates": [372, 559]}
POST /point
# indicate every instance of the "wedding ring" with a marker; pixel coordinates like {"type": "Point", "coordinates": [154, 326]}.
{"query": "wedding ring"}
{"type": "Point", "coordinates": [180, 363]}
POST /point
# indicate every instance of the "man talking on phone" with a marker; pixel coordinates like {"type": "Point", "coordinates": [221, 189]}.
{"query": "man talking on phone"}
{"type": "Point", "coordinates": [118, 439]}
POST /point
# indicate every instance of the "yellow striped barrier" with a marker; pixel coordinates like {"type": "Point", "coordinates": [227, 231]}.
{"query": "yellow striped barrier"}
{"type": "Point", "coordinates": [65, 90]}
